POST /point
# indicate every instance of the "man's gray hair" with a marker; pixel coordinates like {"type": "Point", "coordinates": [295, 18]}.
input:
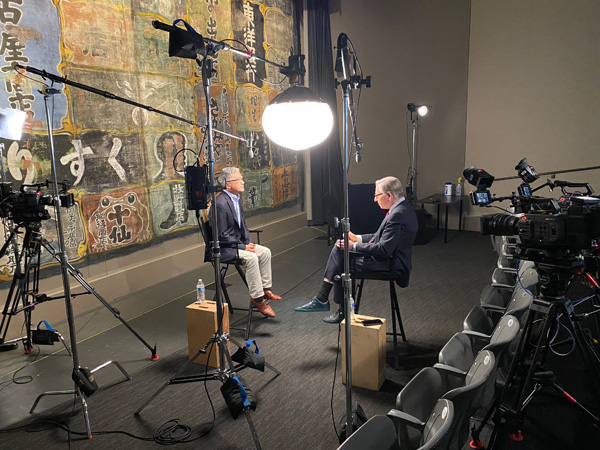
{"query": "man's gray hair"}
{"type": "Point", "coordinates": [225, 176]}
{"type": "Point", "coordinates": [392, 185]}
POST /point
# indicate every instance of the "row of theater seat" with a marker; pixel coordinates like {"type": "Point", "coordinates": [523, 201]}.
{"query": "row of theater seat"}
{"type": "Point", "coordinates": [434, 409]}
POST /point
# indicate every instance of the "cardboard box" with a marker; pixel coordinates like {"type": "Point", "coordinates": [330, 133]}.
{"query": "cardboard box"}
{"type": "Point", "coordinates": [367, 353]}
{"type": "Point", "coordinates": [201, 325]}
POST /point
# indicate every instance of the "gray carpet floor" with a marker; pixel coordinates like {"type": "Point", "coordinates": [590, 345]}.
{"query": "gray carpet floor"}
{"type": "Point", "coordinates": [294, 409]}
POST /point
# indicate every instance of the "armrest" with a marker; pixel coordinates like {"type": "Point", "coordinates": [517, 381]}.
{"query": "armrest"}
{"type": "Point", "coordinates": [450, 374]}
{"type": "Point", "coordinates": [402, 421]}
{"type": "Point", "coordinates": [478, 340]}
{"type": "Point", "coordinates": [257, 235]}
{"type": "Point", "coordinates": [229, 243]}
{"type": "Point", "coordinates": [493, 308]}
{"type": "Point", "coordinates": [401, 416]}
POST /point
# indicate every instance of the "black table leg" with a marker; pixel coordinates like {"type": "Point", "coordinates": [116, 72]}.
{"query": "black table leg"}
{"type": "Point", "coordinates": [446, 226]}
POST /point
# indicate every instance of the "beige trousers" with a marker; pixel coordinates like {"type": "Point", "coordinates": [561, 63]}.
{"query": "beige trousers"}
{"type": "Point", "coordinates": [258, 270]}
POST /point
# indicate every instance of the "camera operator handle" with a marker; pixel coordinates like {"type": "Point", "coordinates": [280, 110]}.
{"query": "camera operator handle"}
{"type": "Point", "coordinates": [565, 184]}
{"type": "Point", "coordinates": [548, 183]}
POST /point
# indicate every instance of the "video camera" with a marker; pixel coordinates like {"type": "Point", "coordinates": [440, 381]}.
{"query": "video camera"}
{"type": "Point", "coordinates": [28, 205]}
{"type": "Point", "coordinates": [542, 224]}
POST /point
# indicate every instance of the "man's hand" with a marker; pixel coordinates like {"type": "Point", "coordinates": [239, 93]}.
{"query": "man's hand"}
{"type": "Point", "coordinates": [351, 236]}
{"type": "Point", "coordinates": [340, 244]}
{"type": "Point", "coordinates": [251, 247]}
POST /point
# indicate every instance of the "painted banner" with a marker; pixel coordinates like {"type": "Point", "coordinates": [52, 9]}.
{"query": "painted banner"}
{"type": "Point", "coordinates": [124, 163]}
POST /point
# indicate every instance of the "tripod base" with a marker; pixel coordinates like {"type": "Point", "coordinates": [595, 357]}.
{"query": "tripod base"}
{"type": "Point", "coordinates": [527, 374]}
{"type": "Point", "coordinates": [77, 393]}
{"type": "Point", "coordinates": [218, 374]}
{"type": "Point", "coordinates": [8, 346]}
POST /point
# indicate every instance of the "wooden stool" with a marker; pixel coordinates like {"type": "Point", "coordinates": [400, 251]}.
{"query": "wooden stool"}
{"type": "Point", "coordinates": [201, 325]}
{"type": "Point", "coordinates": [368, 353]}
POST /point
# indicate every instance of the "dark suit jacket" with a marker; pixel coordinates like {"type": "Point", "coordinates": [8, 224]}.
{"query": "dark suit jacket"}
{"type": "Point", "coordinates": [397, 232]}
{"type": "Point", "coordinates": [229, 228]}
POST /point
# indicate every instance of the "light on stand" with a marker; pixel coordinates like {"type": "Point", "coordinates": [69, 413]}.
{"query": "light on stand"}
{"type": "Point", "coordinates": [421, 110]}
{"type": "Point", "coordinates": [297, 119]}
{"type": "Point", "coordinates": [416, 111]}
{"type": "Point", "coordinates": [11, 123]}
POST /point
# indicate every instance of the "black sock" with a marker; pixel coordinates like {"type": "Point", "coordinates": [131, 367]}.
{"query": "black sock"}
{"type": "Point", "coordinates": [338, 295]}
{"type": "Point", "coordinates": [323, 295]}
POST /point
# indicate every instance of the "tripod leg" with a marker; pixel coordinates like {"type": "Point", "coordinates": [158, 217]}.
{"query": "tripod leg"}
{"type": "Point", "coordinates": [169, 381]}
{"type": "Point", "coordinates": [476, 432]}
{"type": "Point", "coordinates": [252, 429]}
{"type": "Point", "coordinates": [84, 409]}
{"type": "Point", "coordinates": [272, 368]}
{"type": "Point", "coordinates": [75, 273]}
{"type": "Point", "coordinates": [62, 339]}
{"type": "Point", "coordinates": [573, 400]}
{"type": "Point", "coordinates": [119, 366]}
{"type": "Point", "coordinates": [539, 353]}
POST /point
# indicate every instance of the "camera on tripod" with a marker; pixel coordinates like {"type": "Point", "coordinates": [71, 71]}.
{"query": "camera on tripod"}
{"type": "Point", "coordinates": [575, 229]}
{"type": "Point", "coordinates": [569, 227]}
{"type": "Point", "coordinates": [27, 205]}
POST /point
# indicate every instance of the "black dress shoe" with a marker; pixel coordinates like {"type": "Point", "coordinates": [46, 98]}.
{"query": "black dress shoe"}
{"type": "Point", "coordinates": [334, 317]}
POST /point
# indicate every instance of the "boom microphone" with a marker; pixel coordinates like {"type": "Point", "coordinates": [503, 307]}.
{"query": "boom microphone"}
{"type": "Point", "coordinates": [358, 144]}
{"type": "Point", "coordinates": [343, 56]}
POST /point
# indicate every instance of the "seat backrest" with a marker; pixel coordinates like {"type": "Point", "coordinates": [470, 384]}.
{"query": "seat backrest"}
{"type": "Point", "coordinates": [528, 279]}
{"type": "Point", "coordinates": [464, 397]}
{"type": "Point", "coordinates": [480, 370]}
{"type": "Point", "coordinates": [435, 433]}
{"type": "Point", "coordinates": [418, 398]}
{"type": "Point", "coordinates": [520, 303]}
{"type": "Point", "coordinates": [504, 333]}
{"type": "Point", "coordinates": [478, 320]}
{"type": "Point", "coordinates": [378, 433]}
{"type": "Point", "coordinates": [458, 352]}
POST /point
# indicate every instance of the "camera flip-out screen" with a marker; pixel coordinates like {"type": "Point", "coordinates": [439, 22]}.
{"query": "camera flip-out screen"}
{"type": "Point", "coordinates": [480, 197]}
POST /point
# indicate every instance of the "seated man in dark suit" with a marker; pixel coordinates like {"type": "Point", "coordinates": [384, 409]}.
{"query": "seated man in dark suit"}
{"type": "Point", "coordinates": [372, 252]}
{"type": "Point", "coordinates": [232, 227]}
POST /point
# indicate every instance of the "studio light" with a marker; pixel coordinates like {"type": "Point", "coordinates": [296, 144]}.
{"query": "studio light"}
{"type": "Point", "coordinates": [421, 110]}
{"type": "Point", "coordinates": [416, 111]}
{"type": "Point", "coordinates": [297, 119]}
{"type": "Point", "coordinates": [11, 123]}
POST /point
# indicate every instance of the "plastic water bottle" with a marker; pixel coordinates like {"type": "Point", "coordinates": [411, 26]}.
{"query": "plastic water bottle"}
{"type": "Point", "coordinates": [200, 292]}
{"type": "Point", "coordinates": [458, 190]}
{"type": "Point", "coordinates": [352, 309]}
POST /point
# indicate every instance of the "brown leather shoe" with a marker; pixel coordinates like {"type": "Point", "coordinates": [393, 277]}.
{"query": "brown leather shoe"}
{"type": "Point", "coordinates": [263, 308]}
{"type": "Point", "coordinates": [271, 296]}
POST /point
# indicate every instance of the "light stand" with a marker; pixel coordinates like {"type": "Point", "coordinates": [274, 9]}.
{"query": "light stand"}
{"type": "Point", "coordinates": [350, 81]}
{"type": "Point", "coordinates": [415, 113]}
{"type": "Point", "coordinates": [226, 371]}
{"type": "Point", "coordinates": [83, 378]}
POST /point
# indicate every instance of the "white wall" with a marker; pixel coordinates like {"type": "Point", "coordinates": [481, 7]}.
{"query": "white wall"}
{"type": "Point", "coordinates": [415, 51]}
{"type": "Point", "coordinates": [534, 89]}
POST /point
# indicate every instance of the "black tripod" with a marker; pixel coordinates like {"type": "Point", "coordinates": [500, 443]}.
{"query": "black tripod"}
{"type": "Point", "coordinates": [75, 273]}
{"type": "Point", "coordinates": [21, 287]}
{"type": "Point", "coordinates": [550, 307]}
{"type": "Point", "coordinates": [24, 287]}
{"type": "Point", "coordinates": [226, 372]}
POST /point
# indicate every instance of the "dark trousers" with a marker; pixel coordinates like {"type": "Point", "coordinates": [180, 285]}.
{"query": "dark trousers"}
{"type": "Point", "coordinates": [358, 264]}
{"type": "Point", "coordinates": [335, 266]}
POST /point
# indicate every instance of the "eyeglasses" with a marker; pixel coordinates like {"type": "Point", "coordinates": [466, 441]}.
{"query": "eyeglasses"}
{"type": "Point", "coordinates": [377, 195]}
{"type": "Point", "coordinates": [237, 179]}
